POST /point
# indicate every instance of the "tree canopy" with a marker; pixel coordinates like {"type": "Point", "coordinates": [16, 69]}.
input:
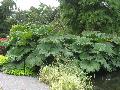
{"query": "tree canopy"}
{"type": "Point", "coordinates": [92, 15]}
{"type": "Point", "coordinates": [6, 10]}
{"type": "Point", "coordinates": [42, 15]}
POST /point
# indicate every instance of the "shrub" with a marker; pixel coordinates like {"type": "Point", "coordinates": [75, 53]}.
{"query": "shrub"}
{"type": "Point", "coordinates": [3, 59]}
{"type": "Point", "coordinates": [92, 50]}
{"type": "Point", "coordinates": [65, 78]}
{"type": "Point", "coordinates": [19, 72]}
{"type": "Point", "coordinates": [21, 44]}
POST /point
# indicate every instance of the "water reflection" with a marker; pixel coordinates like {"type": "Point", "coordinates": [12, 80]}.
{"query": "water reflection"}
{"type": "Point", "coordinates": [109, 81]}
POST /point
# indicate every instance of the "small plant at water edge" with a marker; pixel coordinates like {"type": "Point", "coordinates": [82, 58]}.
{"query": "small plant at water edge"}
{"type": "Point", "coordinates": [65, 78]}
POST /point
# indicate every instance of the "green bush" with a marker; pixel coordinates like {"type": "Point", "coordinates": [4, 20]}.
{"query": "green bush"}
{"type": "Point", "coordinates": [19, 72]}
{"type": "Point", "coordinates": [65, 78]}
{"type": "Point", "coordinates": [22, 42]}
{"type": "Point", "coordinates": [91, 50]}
{"type": "Point", "coordinates": [3, 59]}
{"type": "Point", "coordinates": [20, 33]}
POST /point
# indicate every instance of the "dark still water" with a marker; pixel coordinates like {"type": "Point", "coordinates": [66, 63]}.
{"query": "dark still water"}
{"type": "Point", "coordinates": [108, 81]}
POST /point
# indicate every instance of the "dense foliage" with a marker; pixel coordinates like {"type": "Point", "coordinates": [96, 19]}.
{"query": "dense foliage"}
{"type": "Point", "coordinates": [10, 15]}
{"type": "Point", "coordinates": [3, 60]}
{"type": "Point", "coordinates": [93, 15]}
{"type": "Point", "coordinates": [18, 72]}
{"type": "Point", "coordinates": [22, 42]}
{"type": "Point", "coordinates": [6, 10]}
{"type": "Point", "coordinates": [42, 15]}
{"type": "Point", "coordinates": [65, 77]}
{"type": "Point", "coordinates": [37, 46]}
{"type": "Point", "coordinates": [42, 38]}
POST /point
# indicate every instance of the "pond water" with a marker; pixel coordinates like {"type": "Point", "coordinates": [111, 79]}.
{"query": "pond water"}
{"type": "Point", "coordinates": [108, 81]}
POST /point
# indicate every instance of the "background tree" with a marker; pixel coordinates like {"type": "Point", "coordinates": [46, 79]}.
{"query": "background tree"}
{"type": "Point", "coordinates": [42, 15]}
{"type": "Point", "coordinates": [93, 15]}
{"type": "Point", "coordinates": [6, 10]}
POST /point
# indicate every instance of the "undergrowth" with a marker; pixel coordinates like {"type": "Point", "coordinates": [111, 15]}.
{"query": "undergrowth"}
{"type": "Point", "coordinates": [64, 77]}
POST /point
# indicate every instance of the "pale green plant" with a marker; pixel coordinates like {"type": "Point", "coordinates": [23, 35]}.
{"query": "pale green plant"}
{"type": "Point", "coordinates": [62, 78]}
